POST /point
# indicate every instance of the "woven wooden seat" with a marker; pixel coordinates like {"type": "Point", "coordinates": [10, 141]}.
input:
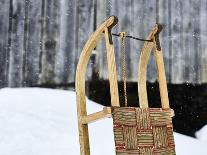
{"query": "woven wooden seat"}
{"type": "Point", "coordinates": [137, 131]}
{"type": "Point", "coordinates": [143, 131]}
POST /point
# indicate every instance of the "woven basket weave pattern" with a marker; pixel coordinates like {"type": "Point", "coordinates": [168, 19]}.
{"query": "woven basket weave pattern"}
{"type": "Point", "coordinates": [143, 131]}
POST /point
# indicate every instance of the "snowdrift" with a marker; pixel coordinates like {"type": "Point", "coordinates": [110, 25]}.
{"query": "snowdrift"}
{"type": "Point", "coordinates": [36, 121]}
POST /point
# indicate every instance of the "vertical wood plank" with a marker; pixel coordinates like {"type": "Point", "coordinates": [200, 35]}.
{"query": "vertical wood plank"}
{"type": "Point", "coordinates": [144, 19]}
{"type": "Point", "coordinates": [65, 57]}
{"type": "Point", "coordinates": [121, 9]}
{"type": "Point", "coordinates": [182, 61]}
{"type": "Point", "coordinates": [125, 24]}
{"type": "Point", "coordinates": [17, 44]}
{"type": "Point", "coordinates": [164, 18]}
{"type": "Point", "coordinates": [138, 30]}
{"type": "Point", "coordinates": [101, 54]}
{"type": "Point", "coordinates": [104, 10]}
{"type": "Point", "coordinates": [32, 42]}
{"type": "Point", "coordinates": [84, 26]}
{"type": "Point", "coordinates": [112, 71]}
{"type": "Point", "coordinates": [52, 48]}
{"type": "Point", "coordinates": [50, 42]}
{"type": "Point", "coordinates": [189, 27]}
{"type": "Point", "coordinates": [135, 18]}
{"type": "Point", "coordinates": [203, 41]}
{"type": "Point", "coordinates": [4, 44]}
{"type": "Point", "coordinates": [190, 43]}
{"type": "Point", "coordinates": [178, 55]}
{"type": "Point", "coordinates": [197, 42]}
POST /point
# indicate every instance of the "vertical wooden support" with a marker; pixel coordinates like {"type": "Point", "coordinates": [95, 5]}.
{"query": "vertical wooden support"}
{"type": "Point", "coordinates": [142, 69]}
{"type": "Point", "coordinates": [111, 69]}
{"type": "Point", "coordinates": [161, 74]}
{"type": "Point", "coordinates": [80, 78]}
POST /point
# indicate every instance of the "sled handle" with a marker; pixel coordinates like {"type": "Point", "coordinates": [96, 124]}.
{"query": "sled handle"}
{"type": "Point", "coordinates": [83, 118]}
{"type": "Point", "coordinates": [142, 69]}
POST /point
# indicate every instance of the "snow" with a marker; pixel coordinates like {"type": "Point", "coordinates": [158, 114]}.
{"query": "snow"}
{"type": "Point", "coordinates": [37, 121]}
{"type": "Point", "coordinates": [202, 134]}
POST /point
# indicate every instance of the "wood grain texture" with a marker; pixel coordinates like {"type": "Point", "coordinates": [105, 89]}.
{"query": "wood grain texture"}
{"type": "Point", "coordinates": [80, 79]}
{"type": "Point", "coordinates": [149, 9]}
{"type": "Point", "coordinates": [111, 69]}
{"type": "Point", "coordinates": [42, 40]}
{"type": "Point", "coordinates": [50, 40]}
{"type": "Point", "coordinates": [142, 69]}
{"type": "Point", "coordinates": [203, 34]}
{"type": "Point", "coordinates": [161, 78]}
{"type": "Point", "coordinates": [197, 44]}
{"type": "Point", "coordinates": [125, 25]}
{"type": "Point", "coordinates": [134, 20]}
{"type": "Point", "coordinates": [101, 14]}
{"type": "Point", "coordinates": [106, 112]}
{"type": "Point", "coordinates": [84, 27]}
{"type": "Point", "coordinates": [66, 57]}
{"type": "Point", "coordinates": [183, 38]}
{"type": "Point", "coordinates": [4, 41]}
{"type": "Point", "coordinates": [17, 44]}
{"type": "Point", "coordinates": [178, 51]}
{"type": "Point", "coordinates": [164, 17]}
{"type": "Point", "coordinates": [32, 39]}
{"type": "Point", "coordinates": [139, 29]}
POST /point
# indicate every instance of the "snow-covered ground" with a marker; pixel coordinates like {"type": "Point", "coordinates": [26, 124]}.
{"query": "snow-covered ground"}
{"type": "Point", "coordinates": [35, 121]}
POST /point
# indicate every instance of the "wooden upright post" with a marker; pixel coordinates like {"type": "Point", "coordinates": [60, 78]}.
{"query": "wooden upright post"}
{"type": "Point", "coordinates": [111, 69]}
{"type": "Point", "coordinates": [80, 81]}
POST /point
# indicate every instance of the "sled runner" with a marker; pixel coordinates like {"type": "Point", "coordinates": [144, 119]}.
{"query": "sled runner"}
{"type": "Point", "coordinates": [137, 130]}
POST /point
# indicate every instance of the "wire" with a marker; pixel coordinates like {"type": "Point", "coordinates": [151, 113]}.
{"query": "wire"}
{"type": "Point", "coordinates": [132, 37]}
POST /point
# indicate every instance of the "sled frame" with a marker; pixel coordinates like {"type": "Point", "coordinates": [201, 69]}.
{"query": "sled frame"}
{"type": "Point", "coordinates": [104, 30]}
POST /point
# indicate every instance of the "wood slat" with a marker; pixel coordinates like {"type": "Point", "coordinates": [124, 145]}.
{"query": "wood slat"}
{"type": "Point", "coordinates": [80, 79]}
{"type": "Point", "coordinates": [4, 41]}
{"type": "Point", "coordinates": [178, 38]}
{"type": "Point", "coordinates": [66, 54]}
{"type": "Point", "coordinates": [17, 44]}
{"type": "Point", "coordinates": [106, 112]}
{"type": "Point", "coordinates": [149, 20]}
{"type": "Point", "coordinates": [42, 40]}
{"type": "Point", "coordinates": [102, 12]}
{"type": "Point", "coordinates": [137, 30]}
{"type": "Point", "coordinates": [203, 34]}
{"type": "Point", "coordinates": [125, 25]}
{"type": "Point", "coordinates": [32, 41]}
{"type": "Point", "coordinates": [188, 45]}
{"type": "Point", "coordinates": [164, 18]}
{"type": "Point", "coordinates": [135, 19]}
{"type": "Point", "coordinates": [84, 27]}
{"type": "Point", "coordinates": [50, 40]}
{"type": "Point", "coordinates": [197, 42]}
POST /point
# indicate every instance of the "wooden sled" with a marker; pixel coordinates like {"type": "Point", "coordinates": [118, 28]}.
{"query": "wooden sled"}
{"type": "Point", "coordinates": [143, 130]}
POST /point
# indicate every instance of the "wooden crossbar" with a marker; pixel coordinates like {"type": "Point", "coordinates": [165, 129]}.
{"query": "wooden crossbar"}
{"type": "Point", "coordinates": [106, 112]}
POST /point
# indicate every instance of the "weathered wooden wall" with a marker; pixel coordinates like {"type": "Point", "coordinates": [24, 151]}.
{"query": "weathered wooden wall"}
{"type": "Point", "coordinates": [41, 40]}
{"type": "Point", "coordinates": [184, 38]}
